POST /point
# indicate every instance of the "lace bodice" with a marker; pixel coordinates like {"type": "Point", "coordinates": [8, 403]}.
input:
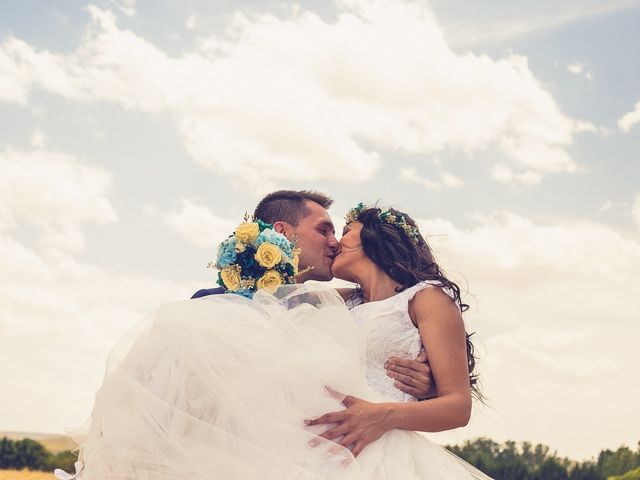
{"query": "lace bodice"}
{"type": "Point", "coordinates": [389, 332]}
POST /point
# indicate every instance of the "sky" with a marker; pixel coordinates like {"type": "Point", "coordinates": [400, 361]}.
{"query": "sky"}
{"type": "Point", "coordinates": [135, 134]}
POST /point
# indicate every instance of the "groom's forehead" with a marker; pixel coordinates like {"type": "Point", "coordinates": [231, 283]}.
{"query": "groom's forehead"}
{"type": "Point", "coordinates": [318, 215]}
{"type": "Point", "coordinates": [319, 219]}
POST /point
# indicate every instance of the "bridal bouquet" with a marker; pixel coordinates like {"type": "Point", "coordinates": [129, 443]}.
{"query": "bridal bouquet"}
{"type": "Point", "coordinates": [255, 257]}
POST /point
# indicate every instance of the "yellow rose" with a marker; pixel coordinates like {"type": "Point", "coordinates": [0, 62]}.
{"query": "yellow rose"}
{"type": "Point", "coordinates": [231, 278]}
{"type": "Point", "coordinates": [270, 281]}
{"type": "Point", "coordinates": [296, 260]}
{"type": "Point", "coordinates": [268, 255]}
{"type": "Point", "coordinates": [247, 232]}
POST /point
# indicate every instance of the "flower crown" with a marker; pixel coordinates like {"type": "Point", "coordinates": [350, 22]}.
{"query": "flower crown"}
{"type": "Point", "coordinates": [396, 219]}
{"type": "Point", "coordinates": [255, 256]}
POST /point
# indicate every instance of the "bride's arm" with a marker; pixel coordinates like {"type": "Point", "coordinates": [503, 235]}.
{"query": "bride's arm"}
{"type": "Point", "coordinates": [443, 335]}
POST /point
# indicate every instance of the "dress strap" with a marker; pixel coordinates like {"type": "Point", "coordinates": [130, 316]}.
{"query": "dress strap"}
{"type": "Point", "coordinates": [408, 294]}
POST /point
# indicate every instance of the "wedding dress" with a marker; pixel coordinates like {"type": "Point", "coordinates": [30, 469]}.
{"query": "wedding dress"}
{"type": "Point", "coordinates": [219, 388]}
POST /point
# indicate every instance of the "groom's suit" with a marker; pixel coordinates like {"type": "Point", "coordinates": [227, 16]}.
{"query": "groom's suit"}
{"type": "Point", "coordinates": [208, 291]}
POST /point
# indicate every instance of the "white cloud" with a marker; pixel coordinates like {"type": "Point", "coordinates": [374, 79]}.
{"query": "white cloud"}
{"type": "Point", "coordinates": [192, 22]}
{"type": "Point", "coordinates": [127, 7]}
{"type": "Point", "coordinates": [606, 206]}
{"type": "Point", "coordinates": [630, 119]}
{"type": "Point", "coordinates": [470, 24]}
{"type": "Point", "coordinates": [551, 368]}
{"type": "Point", "coordinates": [635, 211]}
{"type": "Point", "coordinates": [609, 206]}
{"type": "Point", "coordinates": [38, 138]}
{"type": "Point", "coordinates": [544, 298]}
{"type": "Point", "coordinates": [575, 68]}
{"type": "Point", "coordinates": [60, 316]}
{"type": "Point", "coordinates": [197, 224]}
{"type": "Point", "coordinates": [580, 70]}
{"type": "Point", "coordinates": [508, 249]}
{"type": "Point", "coordinates": [16, 76]}
{"type": "Point", "coordinates": [583, 126]}
{"type": "Point", "coordinates": [54, 192]}
{"type": "Point", "coordinates": [383, 80]}
{"type": "Point", "coordinates": [449, 180]}
{"type": "Point", "coordinates": [410, 174]}
{"type": "Point", "coordinates": [59, 319]}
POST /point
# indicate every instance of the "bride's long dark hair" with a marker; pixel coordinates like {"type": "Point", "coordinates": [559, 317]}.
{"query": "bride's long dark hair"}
{"type": "Point", "coordinates": [409, 261]}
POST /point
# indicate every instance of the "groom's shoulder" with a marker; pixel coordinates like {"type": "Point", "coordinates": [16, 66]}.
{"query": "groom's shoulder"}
{"type": "Point", "coordinates": [208, 291]}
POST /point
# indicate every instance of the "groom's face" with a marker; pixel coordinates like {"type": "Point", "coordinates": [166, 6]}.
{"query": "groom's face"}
{"type": "Point", "coordinates": [316, 237]}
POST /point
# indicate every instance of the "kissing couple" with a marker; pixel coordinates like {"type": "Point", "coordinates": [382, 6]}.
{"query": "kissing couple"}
{"type": "Point", "coordinates": [276, 375]}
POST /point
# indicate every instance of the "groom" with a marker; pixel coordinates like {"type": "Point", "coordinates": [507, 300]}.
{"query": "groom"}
{"type": "Point", "coordinates": [303, 215]}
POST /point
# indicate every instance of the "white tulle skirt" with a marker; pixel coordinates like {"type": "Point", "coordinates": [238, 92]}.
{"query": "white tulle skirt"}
{"type": "Point", "coordinates": [219, 388]}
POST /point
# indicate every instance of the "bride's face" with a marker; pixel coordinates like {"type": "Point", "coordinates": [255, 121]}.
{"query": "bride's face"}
{"type": "Point", "coordinates": [351, 257]}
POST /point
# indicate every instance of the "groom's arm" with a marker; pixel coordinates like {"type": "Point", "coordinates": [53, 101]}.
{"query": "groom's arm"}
{"type": "Point", "coordinates": [412, 376]}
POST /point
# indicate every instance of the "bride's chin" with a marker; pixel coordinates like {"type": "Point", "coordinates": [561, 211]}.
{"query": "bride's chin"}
{"type": "Point", "coordinates": [341, 274]}
{"type": "Point", "coordinates": [336, 272]}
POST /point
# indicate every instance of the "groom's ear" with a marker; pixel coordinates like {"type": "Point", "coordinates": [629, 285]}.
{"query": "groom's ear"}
{"type": "Point", "coordinates": [283, 228]}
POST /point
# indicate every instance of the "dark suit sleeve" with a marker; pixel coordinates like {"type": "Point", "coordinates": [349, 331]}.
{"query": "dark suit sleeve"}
{"type": "Point", "coordinates": [208, 291]}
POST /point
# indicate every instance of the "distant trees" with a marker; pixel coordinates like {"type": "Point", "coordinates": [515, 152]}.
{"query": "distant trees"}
{"type": "Point", "coordinates": [511, 461]}
{"type": "Point", "coordinates": [507, 461]}
{"type": "Point", "coordinates": [631, 475]}
{"type": "Point", "coordinates": [27, 453]}
{"type": "Point", "coordinates": [619, 461]}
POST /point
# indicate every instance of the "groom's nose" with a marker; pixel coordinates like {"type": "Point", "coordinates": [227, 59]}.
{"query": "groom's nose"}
{"type": "Point", "coordinates": [333, 242]}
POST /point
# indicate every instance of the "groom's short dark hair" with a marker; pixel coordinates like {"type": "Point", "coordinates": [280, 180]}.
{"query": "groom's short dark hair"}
{"type": "Point", "coordinates": [289, 205]}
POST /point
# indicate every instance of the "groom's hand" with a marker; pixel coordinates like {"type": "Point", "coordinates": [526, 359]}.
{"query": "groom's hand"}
{"type": "Point", "coordinates": [358, 425]}
{"type": "Point", "coordinates": [412, 376]}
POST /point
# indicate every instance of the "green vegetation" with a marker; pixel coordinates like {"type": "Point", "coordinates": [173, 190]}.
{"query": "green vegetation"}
{"type": "Point", "coordinates": [524, 461]}
{"type": "Point", "coordinates": [27, 453]}
{"type": "Point", "coordinates": [508, 461]}
{"type": "Point", "coordinates": [630, 475]}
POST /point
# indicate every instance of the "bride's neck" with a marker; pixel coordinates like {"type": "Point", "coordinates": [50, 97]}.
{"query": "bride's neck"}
{"type": "Point", "coordinates": [377, 285]}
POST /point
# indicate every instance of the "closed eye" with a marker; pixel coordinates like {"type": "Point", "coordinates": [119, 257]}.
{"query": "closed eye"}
{"type": "Point", "coordinates": [326, 229]}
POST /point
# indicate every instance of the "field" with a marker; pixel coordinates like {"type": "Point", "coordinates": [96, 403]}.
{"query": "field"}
{"type": "Point", "coordinates": [53, 443]}
{"type": "Point", "coordinates": [25, 475]}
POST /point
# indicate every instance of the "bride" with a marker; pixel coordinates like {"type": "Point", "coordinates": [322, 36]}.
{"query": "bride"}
{"type": "Point", "coordinates": [232, 387]}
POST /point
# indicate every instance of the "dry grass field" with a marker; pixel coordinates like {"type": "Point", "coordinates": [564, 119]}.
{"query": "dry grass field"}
{"type": "Point", "coordinates": [25, 475]}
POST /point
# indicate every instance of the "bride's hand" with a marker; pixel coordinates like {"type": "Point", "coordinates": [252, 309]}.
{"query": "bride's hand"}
{"type": "Point", "coordinates": [357, 426]}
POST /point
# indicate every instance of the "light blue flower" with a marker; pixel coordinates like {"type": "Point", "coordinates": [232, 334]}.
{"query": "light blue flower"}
{"type": "Point", "coordinates": [269, 235]}
{"type": "Point", "coordinates": [244, 292]}
{"type": "Point", "coordinates": [227, 252]}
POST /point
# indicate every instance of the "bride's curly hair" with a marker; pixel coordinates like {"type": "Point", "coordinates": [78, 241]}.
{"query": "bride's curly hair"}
{"type": "Point", "coordinates": [409, 260]}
